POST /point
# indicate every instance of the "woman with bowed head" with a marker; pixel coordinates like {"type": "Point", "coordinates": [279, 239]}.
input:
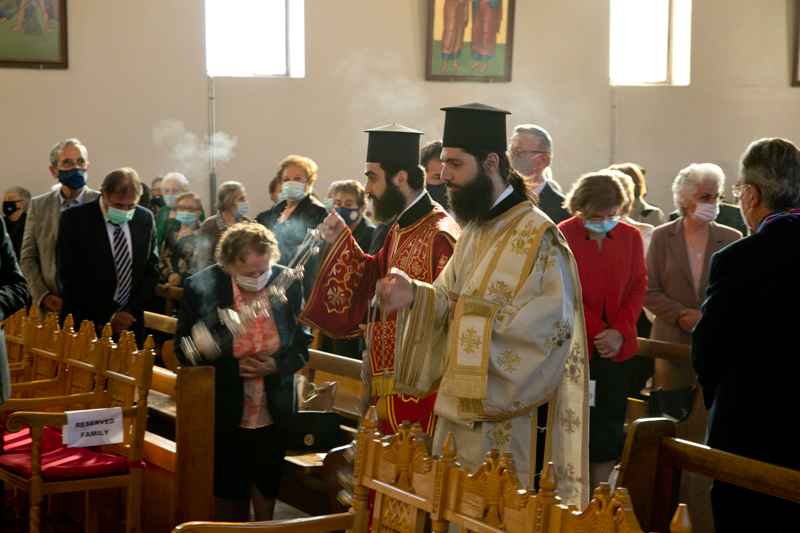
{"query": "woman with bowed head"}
{"type": "Point", "coordinates": [611, 268]}
{"type": "Point", "coordinates": [232, 206]}
{"type": "Point", "coordinates": [178, 258]}
{"type": "Point", "coordinates": [255, 392]}
{"type": "Point", "coordinates": [290, 219]}
{"type": "Point", "coordinates": [678, 264]}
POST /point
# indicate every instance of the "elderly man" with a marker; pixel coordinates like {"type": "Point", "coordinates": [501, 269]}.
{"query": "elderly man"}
{"type": "Point", "coordinates": [531, 149]}
{"type": "Point", "coordinates": [749, 378]}
{"type": "Point", "coordinates": [106, 257]}
{"type": "Point", "coordinates": [69, 164]}
{"type": "Point", "coordinates": [509, 302]}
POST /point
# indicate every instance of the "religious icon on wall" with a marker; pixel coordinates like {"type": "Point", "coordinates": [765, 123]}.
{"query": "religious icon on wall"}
{"type": "Point", "coordinates": [33, 33]}
{"type": "Point", "coordinates": [470, 40]}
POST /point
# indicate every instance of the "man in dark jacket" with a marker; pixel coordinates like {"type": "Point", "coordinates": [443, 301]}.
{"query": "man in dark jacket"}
{"type": "Point", "coordinates": [743, 347]}
{"type": "Point", "coordinates": [13, 295]}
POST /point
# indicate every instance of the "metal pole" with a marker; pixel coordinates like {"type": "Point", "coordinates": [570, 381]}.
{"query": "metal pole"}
{"type": "Point", "coordinates": [613, 124]}
{"type": "Point", "coordinates": [212, 127]}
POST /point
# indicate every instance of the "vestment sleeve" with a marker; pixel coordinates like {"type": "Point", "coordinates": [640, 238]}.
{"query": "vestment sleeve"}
{"type": "Point", "coordinates": [443, 245]}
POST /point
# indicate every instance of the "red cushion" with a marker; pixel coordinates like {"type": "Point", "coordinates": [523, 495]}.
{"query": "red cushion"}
{"type": "Point", "coordinates": [20, 442]}
{"type": "Point", "coordinates": [66, 463]}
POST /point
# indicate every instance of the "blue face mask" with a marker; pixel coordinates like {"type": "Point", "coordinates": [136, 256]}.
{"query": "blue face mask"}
{"type": "Point", "coordinates": [119, 217]}
{"type": "Point", "coordinates": [350, 216]}
{"type": "Point", "coordinates": [74, 178]}
{"type": "Point", "coordinates": [281, 197]}
{"type": "Point", "coordinates": [241, 209]}
{"type": "Point", "coordinates": [187, 219]}
{"type": "Point", "coordinates": [294, 190]}
{"type": "Point", "coordinates": [328, 203]}
{"type": "Point", "coordinates": [601, 227]}
{"type": "Point", "coordinates": [171, 200]}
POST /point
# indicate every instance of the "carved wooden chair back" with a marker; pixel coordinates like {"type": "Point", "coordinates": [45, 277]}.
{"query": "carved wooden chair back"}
{"type": "Point", "coordinates": [47, 349]}
{"type": "Point", "coordinates": [14, 328]}
{"type": "Point", "coordinates": [85, 362]}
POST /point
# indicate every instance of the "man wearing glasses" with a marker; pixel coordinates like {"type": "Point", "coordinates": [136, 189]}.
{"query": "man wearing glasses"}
{"type": "Point", "coordinates": [69, 164]}
{"type": "Point", "coordinates": [530, 150]}
{"type": "Point", "coordinates": [749, 378]}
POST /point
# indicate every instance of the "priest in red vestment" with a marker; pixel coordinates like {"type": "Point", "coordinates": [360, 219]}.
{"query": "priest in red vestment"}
{"type": "Point", "coordinates": [419, 243]}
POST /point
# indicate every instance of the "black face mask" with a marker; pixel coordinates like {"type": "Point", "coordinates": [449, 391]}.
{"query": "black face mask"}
{"type": "Point", "coordinates": [439, 194]}
{"type": "Point", "coordinates": [9, 208]}
{"type": "Point", "coordinates": [158, 201]}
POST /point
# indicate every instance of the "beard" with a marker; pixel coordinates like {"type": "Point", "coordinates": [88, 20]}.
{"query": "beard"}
{"type": "Point", "coordinates": [472, 201]}
{"type": "Point", "coordinates": [390, 204]}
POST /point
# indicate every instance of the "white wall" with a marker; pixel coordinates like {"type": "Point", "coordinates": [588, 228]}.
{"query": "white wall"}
{"type": "Point", "coordinates": [134, 64]}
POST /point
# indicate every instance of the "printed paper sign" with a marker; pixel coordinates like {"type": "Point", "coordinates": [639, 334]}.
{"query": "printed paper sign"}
{"type": "Point", "coordinates": [592, 386]}
{"type": "Point", "coordinates": [93, 427]}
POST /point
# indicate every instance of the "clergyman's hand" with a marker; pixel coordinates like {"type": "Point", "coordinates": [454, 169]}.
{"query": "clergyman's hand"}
{"type": "Point", "coordinates": [452, 303]}
{"type": "Point", "coordinates": [332, 227]}
{"type": "Point", "coordinates": [395, 291]}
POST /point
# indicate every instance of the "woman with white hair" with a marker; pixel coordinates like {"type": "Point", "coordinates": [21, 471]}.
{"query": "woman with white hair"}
{"type": "Point", "coordinates": [678, 261]}
{"type": "Point", "coordinates": [173, 185]}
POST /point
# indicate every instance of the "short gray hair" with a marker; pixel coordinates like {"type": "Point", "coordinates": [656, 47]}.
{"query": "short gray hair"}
{"type": "Point", "coordinates": [63, 144]}
{"type": "Point", "coordinates": [226, 194]}
{"type": "Point", "coordinates": [123, 181]}
{"type": "Point", "coordinates": [24, 195]}
{"type": "Point", "coordinates": [692, 177]}
{"type": "Point", "coordinates": [545, 140]}
{"type": "Point", "coordinates": [177, 176]}
{"type": "Point", "coordinates": [773, 165]}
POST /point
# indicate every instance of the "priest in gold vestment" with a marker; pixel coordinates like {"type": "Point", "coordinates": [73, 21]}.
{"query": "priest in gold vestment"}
{"type": "Point", "coordinates": [419, 243]}
{"type": "Point", "coordinates": [501, 332]}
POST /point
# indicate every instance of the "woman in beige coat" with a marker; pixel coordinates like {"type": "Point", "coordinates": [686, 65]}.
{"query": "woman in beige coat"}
{"type": "Point", "coordinates": [678, 262]}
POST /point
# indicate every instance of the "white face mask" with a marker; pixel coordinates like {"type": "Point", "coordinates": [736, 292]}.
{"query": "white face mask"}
{"type": "Point", "coordinates": [294, 190]}
{"type": "Point", "coordinates": [705, 213]}
{"type": "Point", "coordinates": [254, 284]}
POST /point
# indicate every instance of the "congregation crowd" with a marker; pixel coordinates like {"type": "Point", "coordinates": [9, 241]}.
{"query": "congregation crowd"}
{"type": "Point", "coordinates": [510, 306]}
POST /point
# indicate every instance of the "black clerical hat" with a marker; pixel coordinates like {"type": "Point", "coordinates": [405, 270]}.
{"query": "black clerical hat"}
{"type": "Point", "coordinates": [393, 144]}
{"type": "Point", "coordinates": [475, 127]}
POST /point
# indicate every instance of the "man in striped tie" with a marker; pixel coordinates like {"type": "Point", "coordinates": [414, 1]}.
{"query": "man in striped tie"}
{"type": "Point", "coordinates": [106, 257]}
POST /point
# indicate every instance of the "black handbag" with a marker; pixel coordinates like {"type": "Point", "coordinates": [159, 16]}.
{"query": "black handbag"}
{"type": "Point", "coordinates": [314, 431]}
{"type": "Point", "coordinates": [675, 404]}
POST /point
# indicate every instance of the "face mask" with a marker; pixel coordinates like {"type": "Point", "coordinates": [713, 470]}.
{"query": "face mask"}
{"type": "Point", "coordinates": [328, 203]}
{"type": "Point", "coordinates": [294, 190]}
{"type": "Point", "coordinates": [187, 219]}
{"type": "Point", "coordinates": [74, 178]}
{"type": "Point", "coordinates": [170, 200]}
{"type": "Point", "coordinates": [254, 284]}
{"type": "Point", "coordinates": [158, 201]}
{"type": "Point", "coordinates": [241, 209]}
{"type": "Point", "coordinates": [705, 213]}
{"type": "Point", "coordinates": [9, 208]}
{"type": "Point", "coordinates": [349, 215]}
{"type": "Point", "coordinates": [523, 165]}
{"type": "Point", "coordinates": [281, 197]}
{"type": "Point", "coordinates": [119, 217]}
{"type": "Point", "coordinates": [601, 227]}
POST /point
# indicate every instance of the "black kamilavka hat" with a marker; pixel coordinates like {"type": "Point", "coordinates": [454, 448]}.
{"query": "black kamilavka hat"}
{"type": "Point", "coordinates": [475, 127]}
{"type": "Point", "coordinates": [393, 144]}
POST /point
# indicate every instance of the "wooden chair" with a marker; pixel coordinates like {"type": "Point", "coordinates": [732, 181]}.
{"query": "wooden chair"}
{"type": "Point", "coordinates": [654, 460]}
{"type": "Point", "coordinates": [14, 328]}
{"type": "Point", "coordinates": [412, 487]}
{"type": "Point", "coordinates": [172, 295]}
{"type": "Point", "coordinates": [42, 372]}
{"type": "Point", "coordinates": [164, 324]}
{"type": "Point", "coordinates": [99, 374]}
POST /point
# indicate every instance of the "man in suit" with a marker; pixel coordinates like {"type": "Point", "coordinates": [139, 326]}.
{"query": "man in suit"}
{"type": "Point", "coordinates": [749, 377]}
{"type": "Point", "coordinates": [106, 257]}
{"type": "Point", "coordinates": [531, 149]}
{"type": "Point", "coordinates": [69, 164]}
{"type": "Point", "coordinates": [13, 295]}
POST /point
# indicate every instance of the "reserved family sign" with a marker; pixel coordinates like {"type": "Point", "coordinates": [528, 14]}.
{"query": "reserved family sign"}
{"type": "Point", "coordinates": [93, 427]}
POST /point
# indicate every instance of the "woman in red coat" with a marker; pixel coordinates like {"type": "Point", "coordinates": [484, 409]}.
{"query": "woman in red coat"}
{"type": "Point", "coordinates": [611, 267]}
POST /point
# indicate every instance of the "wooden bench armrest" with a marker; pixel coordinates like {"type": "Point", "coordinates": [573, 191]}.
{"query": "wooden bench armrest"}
{"type": "Point", "coordinates": [20, 419]}
{"type": "Point", "coordinates": [42, 384]}
{"type": "Point", "coordinates": [16, 372]}
{"type": "Point", "coordinates": [38, 404]}
{"type": "Point", "coordinates": [314, 524]}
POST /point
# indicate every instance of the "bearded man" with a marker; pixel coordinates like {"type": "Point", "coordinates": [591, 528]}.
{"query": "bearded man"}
{"type": "Point", "coordinates": [420, 242]}
{"type": "Point", "coordinates": [500, 333]}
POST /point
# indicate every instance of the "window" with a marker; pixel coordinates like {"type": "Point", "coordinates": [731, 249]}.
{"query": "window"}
{"type": "Point", "coordinates": [248, 38]}
{"type": "Point", "coordinates": [650, 42]}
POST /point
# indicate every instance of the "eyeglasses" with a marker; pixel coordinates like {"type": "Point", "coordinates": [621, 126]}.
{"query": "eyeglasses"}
{"type": "Point", "coordinates": [738, 190]}
{"type": "Point", "coordinates": [520, 153]}
{"type": "Point", "coordinates": [184, 209]}
{"type": "Point", "coordinates": [609, 218]}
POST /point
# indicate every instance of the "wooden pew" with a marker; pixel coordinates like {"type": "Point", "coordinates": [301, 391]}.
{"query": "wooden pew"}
{"type": "Point", "coordinates": [413, 489]}
{"type": "Point", "coordinates": [654, 460]}
{"type": "Point", "coordinates": [172, 295]}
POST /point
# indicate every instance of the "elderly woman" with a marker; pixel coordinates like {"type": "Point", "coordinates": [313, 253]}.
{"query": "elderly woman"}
{"type": "Point", "coordinates": [678, 262]}
{"type": "Point", "coordinates": [15, 212]}
{"type": "Point", "coordinates": [614, 282]}
{"type": "Point", "coordinates": [156, 195]}
{"type": "Point", "coordinates": [173, 185]}
{"type": "Point", "coordinates": [255, 398]}
{"type": "Point", "coordinates": [232, 207]}
{"type": "Point", "coordinates": [178, 258]}
{"type": "Point", "coordinates": [291, 218]}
